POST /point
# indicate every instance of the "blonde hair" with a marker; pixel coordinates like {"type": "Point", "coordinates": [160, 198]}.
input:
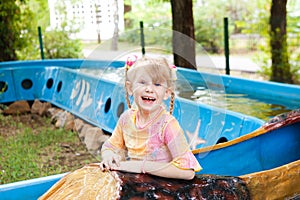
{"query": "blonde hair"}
{"type": "Point", "coordinates": [158, 69]}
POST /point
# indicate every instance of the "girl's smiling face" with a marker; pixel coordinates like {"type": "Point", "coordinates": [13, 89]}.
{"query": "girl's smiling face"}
{"type": "Point", "coordinates": [148, 93]}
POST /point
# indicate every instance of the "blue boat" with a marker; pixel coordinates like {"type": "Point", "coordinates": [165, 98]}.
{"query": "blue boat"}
{"type": "Point", "coordinates": [236, 144]}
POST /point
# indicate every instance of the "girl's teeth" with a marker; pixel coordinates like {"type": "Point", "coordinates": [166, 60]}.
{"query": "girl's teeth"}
{"type": "Point", "coordinates": [148, 98]}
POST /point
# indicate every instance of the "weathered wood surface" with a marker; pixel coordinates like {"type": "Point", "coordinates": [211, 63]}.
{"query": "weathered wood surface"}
{"type": "Point", "coordinates": [90, 182]}
{"type": "Point", "coordinates": [278, 183]}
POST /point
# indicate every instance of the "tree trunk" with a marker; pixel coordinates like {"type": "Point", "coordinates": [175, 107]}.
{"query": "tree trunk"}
{"type": "Point", "coordinates": [183, 33]}
{"type": "Point", "coordinates": [280, 64]}
{"type": "Point", "coordinates": [115, 38]}
{"type": "Point", "coordinates": [9, 32]}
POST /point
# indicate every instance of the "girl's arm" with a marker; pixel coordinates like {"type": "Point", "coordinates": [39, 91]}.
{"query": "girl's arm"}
{"type": "Point", "coordinates": [112, 151]}
{"type": "Point", "coordinates": [166, 170]}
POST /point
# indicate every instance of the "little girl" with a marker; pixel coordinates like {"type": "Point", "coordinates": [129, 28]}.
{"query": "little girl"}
{"type": "Point", "coordinates": [150, 136]}
{"type": "Point", "coordinates": [147, 138]}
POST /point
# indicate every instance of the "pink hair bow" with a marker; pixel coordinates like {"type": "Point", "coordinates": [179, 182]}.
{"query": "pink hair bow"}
{"type": "Point", "coordinates": [173, 67]}
{"type": "Point", "coordinates": [130, 61]}
{"type": "Point", "coordinates": [173, 71]}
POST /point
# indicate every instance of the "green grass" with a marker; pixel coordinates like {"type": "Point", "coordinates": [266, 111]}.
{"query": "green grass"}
{"type": "Point", "coordinates": [28, 153]}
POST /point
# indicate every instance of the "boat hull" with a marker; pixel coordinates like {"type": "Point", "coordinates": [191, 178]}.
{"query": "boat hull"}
{"type": "Point", "coordinates": [263, 156]}
{"type": "Point", "coordinates": [100, 101]}
{"type": "Point", "coordinates": [274, 144]}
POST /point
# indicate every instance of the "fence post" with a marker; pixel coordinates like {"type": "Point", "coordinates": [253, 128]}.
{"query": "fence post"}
{"type": "Point", "coordinates": [226, 45]}
{"type": "Point", "coordinates": [41, 42]}
{"type": "Point", "coordinates": [142, 37]}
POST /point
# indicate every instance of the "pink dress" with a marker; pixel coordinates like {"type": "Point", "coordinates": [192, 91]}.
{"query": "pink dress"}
{"type": "Point", "coordinates": [161, 140]}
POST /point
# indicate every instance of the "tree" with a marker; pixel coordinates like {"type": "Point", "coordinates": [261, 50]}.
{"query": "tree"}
{"type": "Point", "coordinates": [114, 42]}
{"type": "Point", "coordinates": [278, 42]}
{"type": "Point", "coordinates": [183, 33]}
{"type": "Point", "coordinates": [10, 29]}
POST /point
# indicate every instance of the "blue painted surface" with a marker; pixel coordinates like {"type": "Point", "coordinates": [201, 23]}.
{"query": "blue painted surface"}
{"type": "Point", "coordinates": [98, 100]}
{"type": "Point", "coordinates": [231, 84]}
{"type": "Point", "coordinates": [29, 189]}
{"type": "Point", "coordinates": [270, 150]}
{"type": "Point", "coordinates": [68, 63]}
{"type": "Point", "coordinates": [10, 93]}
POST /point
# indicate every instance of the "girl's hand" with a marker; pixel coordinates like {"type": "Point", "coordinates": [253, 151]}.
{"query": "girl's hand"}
{"type": "Point", "coordinates": [110, 160]}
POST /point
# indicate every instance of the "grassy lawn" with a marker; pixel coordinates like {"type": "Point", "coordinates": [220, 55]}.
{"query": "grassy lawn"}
{"type": "Point", "coordinates": [32, 147]}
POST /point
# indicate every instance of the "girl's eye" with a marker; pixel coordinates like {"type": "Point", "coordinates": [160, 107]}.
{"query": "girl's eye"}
{"type": "Point", "coordinates": [157, 84]}
{"type": "Point", "coordinates": [142, 82]}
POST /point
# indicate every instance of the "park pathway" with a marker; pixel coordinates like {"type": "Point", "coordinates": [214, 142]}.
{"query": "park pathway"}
{"type": "Point", "coordinates": [238, 63]}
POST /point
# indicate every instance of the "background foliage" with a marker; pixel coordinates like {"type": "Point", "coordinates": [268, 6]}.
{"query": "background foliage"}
{"type": "Point", "coordinates": [19, 21]}
{"type": "Point", "coordinates": [248, 26]}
